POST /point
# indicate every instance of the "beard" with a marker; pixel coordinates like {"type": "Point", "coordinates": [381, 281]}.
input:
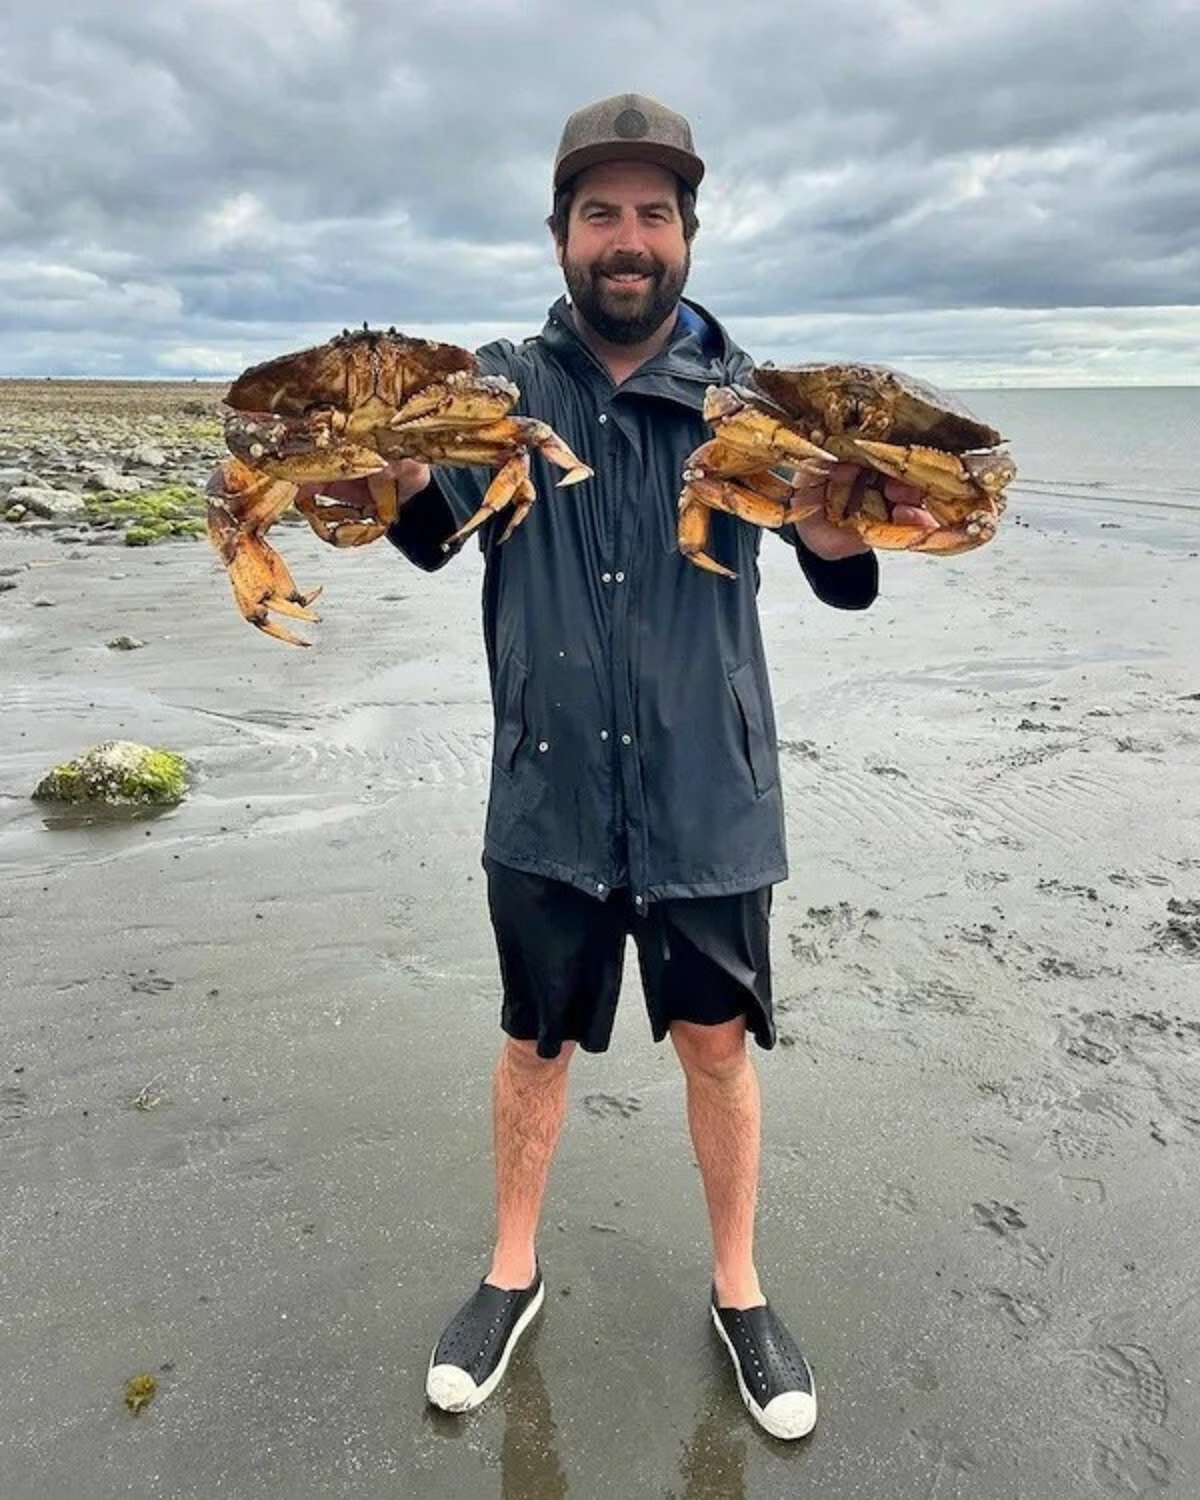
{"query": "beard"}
{"type": "Point", "coordinates": [624, 315]}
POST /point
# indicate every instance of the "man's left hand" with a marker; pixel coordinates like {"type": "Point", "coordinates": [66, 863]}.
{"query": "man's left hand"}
{"type": "Point", "coordinates": [833, 543]}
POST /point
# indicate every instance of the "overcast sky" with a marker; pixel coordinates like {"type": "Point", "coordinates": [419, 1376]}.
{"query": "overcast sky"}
{"type": "Point", "coordinates": [984, 191]}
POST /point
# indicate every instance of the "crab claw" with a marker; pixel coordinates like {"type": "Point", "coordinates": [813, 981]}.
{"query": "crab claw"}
{"type": "Point", "coordinates": [695, 518]}
{"type": "Point", "coordinates": [555, 451]}
{"type": "Point", "coordinates": [510, 484]}
{"type": "Point", "coordinates": [241, 505]}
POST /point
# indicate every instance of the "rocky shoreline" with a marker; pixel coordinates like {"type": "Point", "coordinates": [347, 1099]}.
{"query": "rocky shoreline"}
{"type": "Point", "coordinates": [93, 462]}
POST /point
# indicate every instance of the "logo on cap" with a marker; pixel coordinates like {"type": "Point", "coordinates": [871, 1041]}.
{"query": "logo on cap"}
{"type": "Point", "coordinates": [631, 125]}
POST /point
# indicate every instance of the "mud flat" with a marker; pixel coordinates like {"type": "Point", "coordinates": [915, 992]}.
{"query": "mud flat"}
{"type": "Point", "coordinates": [245, 1049]}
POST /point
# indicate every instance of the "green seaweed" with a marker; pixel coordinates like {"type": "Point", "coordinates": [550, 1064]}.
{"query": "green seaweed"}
{"type": "Point", "coordinates": [161, 777]}
{"type": "Point", "coordinates": [139, 1392]}
{"type": "Point", "coordinates": [152, 515]}
{"type": "Point", "coordinates": [117, 772]}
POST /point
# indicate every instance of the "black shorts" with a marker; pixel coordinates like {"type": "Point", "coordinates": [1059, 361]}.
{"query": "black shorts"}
{"type": "Point", "coordinates": [704, 959]}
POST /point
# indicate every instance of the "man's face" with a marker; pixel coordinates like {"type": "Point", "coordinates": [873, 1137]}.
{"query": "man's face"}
{"type": "Point", "coordinates": [625, 259]}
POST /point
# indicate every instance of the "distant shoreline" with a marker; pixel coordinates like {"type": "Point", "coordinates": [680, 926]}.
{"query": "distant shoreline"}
{"type": "Point", "coordinates": [221, 383]}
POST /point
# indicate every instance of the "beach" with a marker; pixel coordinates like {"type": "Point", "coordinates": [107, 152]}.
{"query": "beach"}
{"type": "Point", "coordinates": [245, 1046]}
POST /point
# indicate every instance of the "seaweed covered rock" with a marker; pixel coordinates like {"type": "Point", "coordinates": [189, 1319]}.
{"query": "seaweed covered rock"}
{"type": "Point", "coordinates": [118, 773]}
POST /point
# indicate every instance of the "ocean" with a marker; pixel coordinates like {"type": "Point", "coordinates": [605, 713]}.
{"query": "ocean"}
{"type": "Point", "coordinates": [1101, 448]}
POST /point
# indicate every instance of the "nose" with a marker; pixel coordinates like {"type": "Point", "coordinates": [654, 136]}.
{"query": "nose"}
{"type": "Point", "coordinates": [628, 235]}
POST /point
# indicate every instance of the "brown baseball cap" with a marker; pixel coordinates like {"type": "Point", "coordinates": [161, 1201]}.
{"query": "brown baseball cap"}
{"type": "Point", "coordinates": [627, 127]}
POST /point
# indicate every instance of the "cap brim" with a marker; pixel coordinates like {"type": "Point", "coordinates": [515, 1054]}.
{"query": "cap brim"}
{"type": "Point", "coordinates": [682, 163]}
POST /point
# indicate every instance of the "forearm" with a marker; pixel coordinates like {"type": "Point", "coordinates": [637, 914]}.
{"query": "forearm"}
{"type": "Point", "coordinates": [850, 582]}
{"type": "Point", "coordinates": [421, 528]}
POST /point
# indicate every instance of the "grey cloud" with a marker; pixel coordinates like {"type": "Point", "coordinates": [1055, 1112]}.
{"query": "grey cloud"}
{"type": "Point", "coordinates": [229, 177]}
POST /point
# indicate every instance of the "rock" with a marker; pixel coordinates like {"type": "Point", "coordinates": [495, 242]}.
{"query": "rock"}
{"type": "Point", "coordinates": [147, 456]}
{"type": "Point", "coordinates": [125, 643]}
{"type": "Point", "coordinates": [42, 602]}
{"type": "Point", "coordinates": [51, 505]}
{"type": "Point", "coordinates": [109, 479]}
{"type": "Point", "coordinates": [10, 478]}
{"type": "Point", "coordinates": [15, 513]}
{"type": "Point", "coordinates": [118, 773]}
{"type": "Point", "coordinates": [6, 584]}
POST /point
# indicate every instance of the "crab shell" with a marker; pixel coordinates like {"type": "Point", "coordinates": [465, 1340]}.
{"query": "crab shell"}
{"type": "Point", "coordinates": [895, 425]}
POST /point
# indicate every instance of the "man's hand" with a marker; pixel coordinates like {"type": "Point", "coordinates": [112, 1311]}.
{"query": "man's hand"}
{"type": "Point", "coordinates": [409, 475]}
{"type": "Point", "coordinates": [832, 542]}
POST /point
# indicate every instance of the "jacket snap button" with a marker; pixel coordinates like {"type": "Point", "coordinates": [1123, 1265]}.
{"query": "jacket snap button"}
{"type": "Point", "coordinates": [604, 416]}
{"type": "Point", "coordinates": [606, 578]}
{"type": "Point", "coordinates": [620, 577]}
{"type": "Point", "coordinates": [627, 739]}
{"type": "Point", "coordinates": [543, 746]}
{"type": "Point", "coordinates": [604, 734]}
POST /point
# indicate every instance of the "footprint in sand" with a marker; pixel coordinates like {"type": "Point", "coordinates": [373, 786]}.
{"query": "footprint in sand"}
{"type": "Point", "coordinates": [896, 1195]}
{"type": "Point", "coordinates": [14, 1103]}
{"type": "Point", "coordinates": [150, 983]}
{"type": "Point", "coordinates": [1130, 1378]}
{"type": "Point", "coordinates": [1071, 1141]}
{"type": "Point", "coordinates": [612, 1106]}
{"type": "Point", "coordinates": [1130, 1466]}
{"type": "Point", "coordinates": [1023, 1313]}
{"type": "Point", "coordinates": [1006, 1223]}
{"type": "Point", "coordinates": [826, 927]}
{"type": "Point", "coordinates": [1084, 1190]}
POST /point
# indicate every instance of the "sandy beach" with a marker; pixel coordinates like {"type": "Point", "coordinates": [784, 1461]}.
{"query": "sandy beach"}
{"type": "Point", "coordinates": [235, 1153]}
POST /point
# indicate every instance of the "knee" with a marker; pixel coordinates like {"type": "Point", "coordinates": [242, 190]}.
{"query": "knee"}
{"type": "Point", "coordinates": [525, 1061]}
{"type": "Point", "coordinates": [711, 1052]}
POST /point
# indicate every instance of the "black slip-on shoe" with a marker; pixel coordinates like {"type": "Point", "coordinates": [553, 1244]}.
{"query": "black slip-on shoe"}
{"type": "Point", "coordinates": [473, 1353]}
{"type": "Point", "coordinates": [774, 1378]}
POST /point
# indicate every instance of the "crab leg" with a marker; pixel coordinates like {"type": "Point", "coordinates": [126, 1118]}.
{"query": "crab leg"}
{"type": "Point", "coordinates": [552, 448]}
{"type": "Point", "coordinates": [946, 541]}
{"type": "Point", "coordinates": [241, 506]}
{"type": "Point", "coordinates": [940, 473]}
{"type": "Point", "coordinates": [695, 518]}
{"type": "Point", "coordinates": [511, 483]}
{"type": "Point", "coordinates": [504, 439]}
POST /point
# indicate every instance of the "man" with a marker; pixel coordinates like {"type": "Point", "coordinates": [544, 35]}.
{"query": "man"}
{"type": "Point", "coordinates": [635, 783]}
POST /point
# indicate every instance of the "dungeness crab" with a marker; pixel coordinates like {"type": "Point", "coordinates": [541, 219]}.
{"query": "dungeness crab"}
{"type": "Point", "coordinates": [793, 424]}
{"type": "Point", "coordinates": [344, 411]}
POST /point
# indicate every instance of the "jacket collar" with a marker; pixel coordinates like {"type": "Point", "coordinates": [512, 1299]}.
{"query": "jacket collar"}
{"type": "Point", "coordinates": [698, 355]}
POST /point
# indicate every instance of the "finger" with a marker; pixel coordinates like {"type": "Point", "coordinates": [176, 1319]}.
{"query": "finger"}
{"type": "Point", "coordinates": [914, 515]}
{"type": "Point", "coordinates": [900, 493]}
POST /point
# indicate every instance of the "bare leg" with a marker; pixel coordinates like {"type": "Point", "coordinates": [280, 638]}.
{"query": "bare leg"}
{"type": "Point", "coordinates": [725, 1118]}
{"type": "Point", "coordinates": [529, 1100]}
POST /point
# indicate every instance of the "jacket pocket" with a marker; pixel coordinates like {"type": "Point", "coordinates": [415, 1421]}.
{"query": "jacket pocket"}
{"type": "Point", "coordinates": [510, 717]}
{"type": "Point", "coordinates": [760, 751]}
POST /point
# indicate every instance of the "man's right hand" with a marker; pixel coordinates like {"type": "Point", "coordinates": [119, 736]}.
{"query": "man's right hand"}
{"type": "Point", "coordinates": [354, 512]}
{"type": "Point", "coordinates": [408, 475]}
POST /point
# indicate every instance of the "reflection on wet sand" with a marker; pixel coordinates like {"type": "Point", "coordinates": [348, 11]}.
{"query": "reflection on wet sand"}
{"type": "Point", "coordinates": [529, 1464]}
{"type": "Point", "coordinates": [713, 1466]}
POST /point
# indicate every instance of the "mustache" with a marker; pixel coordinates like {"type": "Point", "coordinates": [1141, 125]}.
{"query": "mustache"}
{"type": "Point", "coordinates": [628, 265]}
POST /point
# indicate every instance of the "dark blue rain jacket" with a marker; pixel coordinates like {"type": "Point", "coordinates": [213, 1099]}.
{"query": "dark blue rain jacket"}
{"type": "Point", "coordinates": [634, 734]}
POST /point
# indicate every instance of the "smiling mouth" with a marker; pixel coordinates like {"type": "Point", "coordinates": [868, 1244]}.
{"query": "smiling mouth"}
{"type": "Point", "coordinates": [626, 278]}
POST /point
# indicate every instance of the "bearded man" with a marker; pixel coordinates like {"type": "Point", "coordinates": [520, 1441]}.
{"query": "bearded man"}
{"type": "Point", "coordinates": [635, 780]}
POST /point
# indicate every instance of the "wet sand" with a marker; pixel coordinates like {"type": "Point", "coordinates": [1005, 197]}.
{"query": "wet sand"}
{"type": "Point", "coordinates": [983, 1125]}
